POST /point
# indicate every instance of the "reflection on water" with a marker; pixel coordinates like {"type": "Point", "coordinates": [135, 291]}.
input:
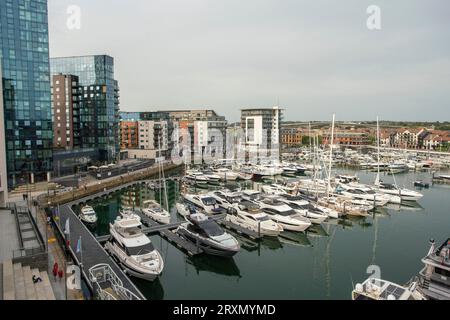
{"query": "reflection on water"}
{"type": "Point", "coordinates": [218, 265]}
{"type": "Point", "coordinates": [318, 264]}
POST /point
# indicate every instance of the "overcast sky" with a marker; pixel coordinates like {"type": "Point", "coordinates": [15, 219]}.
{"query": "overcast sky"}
{"type": "Point", "coordinates": [315, 57]}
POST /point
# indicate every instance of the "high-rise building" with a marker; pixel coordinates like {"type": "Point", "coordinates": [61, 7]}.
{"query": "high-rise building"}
{"type": "Point", "coordinates": [66, 94]}
{"type": "Point", "coordinates": [262, 130]}
{"type": "Point", "coordinates": [99, 101]}
{"type": "Point", "coordinates": [3, 175]}
{"type": "Point", "coordinates": [26, 90]}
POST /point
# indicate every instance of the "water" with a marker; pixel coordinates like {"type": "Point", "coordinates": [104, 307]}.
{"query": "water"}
{"type": "Point", "coordinates": [319, 265]}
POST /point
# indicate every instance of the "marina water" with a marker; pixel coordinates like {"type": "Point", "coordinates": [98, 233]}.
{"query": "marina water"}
{"type": "Point", "coordinates": [321, 264]}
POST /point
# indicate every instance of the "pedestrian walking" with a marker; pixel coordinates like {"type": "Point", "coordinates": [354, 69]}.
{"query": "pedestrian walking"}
{"type": "Point", "coordinates": [60, 274]}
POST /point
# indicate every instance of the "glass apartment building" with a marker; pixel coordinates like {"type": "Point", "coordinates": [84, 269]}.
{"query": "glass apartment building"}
{"type": "Point", "coordinates": [25, 74]}
{"type": "Point", "coordinates": [99, 101]}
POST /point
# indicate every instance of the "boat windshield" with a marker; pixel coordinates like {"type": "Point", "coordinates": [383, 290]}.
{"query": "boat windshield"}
{"type": "Point", "coordinates": [209, 201]}
{"type": "Point", "coordinates": [262, 218]}
{"type": "Point", "coordinates": [211, 228]}
{"type": "Point", "coordinates": [140, 250]}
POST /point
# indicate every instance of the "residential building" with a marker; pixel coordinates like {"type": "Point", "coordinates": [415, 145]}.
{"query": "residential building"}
{"type": "Point", "coordinates": [435, 139]}
{"type": "Point", "coordinates": [3, 172]}
{"type": "Point", "coordinates": [129, 135]}
{"type": "Point", "coordinates": [66, 97]}
{"type": "Point", "coordinates": [291, 137]}
{"type": "Point", "coordinates": [347, 138]}
{"type": "Point", "coordinates": [99, 102]}
{"type": "Point", "coordinates": [206, 129]}
{"type": "Point", "coordinates": [26, 90]}
{"type": "Point", "coordinates": [408, 138]}
{"type": "Point", "coordinates": [262, 130]}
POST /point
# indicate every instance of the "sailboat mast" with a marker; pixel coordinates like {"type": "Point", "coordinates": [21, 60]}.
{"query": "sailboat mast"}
{"type": "Point", "coordinates": [331, 156]}
{"type": "Point", "coordinates": [378, 148]}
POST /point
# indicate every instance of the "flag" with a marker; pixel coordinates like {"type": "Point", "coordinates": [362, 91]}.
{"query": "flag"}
{"type": "Point", "coordinates": [67, 226]}
{"type": "Point", "coordinates": [79, 245]}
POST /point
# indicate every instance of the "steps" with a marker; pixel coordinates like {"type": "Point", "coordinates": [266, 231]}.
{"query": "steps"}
{"type": "Point", "coordinates": [18, 283]}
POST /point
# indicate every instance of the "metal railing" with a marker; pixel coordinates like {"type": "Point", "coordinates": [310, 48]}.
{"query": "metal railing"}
{"type": "Point", "coordinates": [102, 274]}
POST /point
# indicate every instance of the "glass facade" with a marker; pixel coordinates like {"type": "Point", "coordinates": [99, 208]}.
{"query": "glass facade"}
{"type": "Point", "coordinates": [99, 101]}
{"type": "Point", "coordinates": [26, 90]}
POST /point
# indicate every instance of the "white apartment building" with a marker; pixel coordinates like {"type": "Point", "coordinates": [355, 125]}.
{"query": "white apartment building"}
{"type": "Point", "coordinates": [262, 130]}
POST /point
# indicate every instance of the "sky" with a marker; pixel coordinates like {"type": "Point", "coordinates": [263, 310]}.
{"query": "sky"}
{"type": "Point", "coordinates": [312, 57]}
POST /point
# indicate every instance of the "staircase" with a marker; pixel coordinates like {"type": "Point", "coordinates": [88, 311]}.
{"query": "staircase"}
{"type": "Point", "coordinates": [18, 283]}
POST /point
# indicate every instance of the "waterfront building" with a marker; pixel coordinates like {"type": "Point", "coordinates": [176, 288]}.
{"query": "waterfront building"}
{"type": "Point", "coordinates": [66, 94]}
{"type": "Point", "coordinates": [99, 102]}
{"type": "Point", "coordinates": [291, 137]}
{"type": "Point", "coordinates": [3, 172]}
{"type": "Point", "coordinates": [207, 131]}
{"type": "Point", "coordinates": [348, 138]}
{"type": "Point", "coordinates": [26, 90]}
{"type": "Point", "coordinates": [262, 130]}
{"type": "Point", "coordinates": [129, 135]}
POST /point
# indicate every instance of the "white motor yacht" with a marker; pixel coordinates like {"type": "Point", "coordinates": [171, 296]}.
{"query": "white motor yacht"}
{"type": "Point", "coordinates": [226, 174]}
{"type": "Point", "coordinates": [226, 198]}
{"type": "Point", "coordinates": [304, 208]}
{"type": "Point", "coordinates": [377, 289]}
{"type": "Point", "coordinates": [365, 193]}
{"type": "Point", "coordinates": [88, 215]}
{"type": "Point", "coordinates": [133, 249]}
{"type": "Point", "coordinates": [196, 177]}
{"type": "Point", "coordinates": [283, 214]}
{"type": "Point", "coordinates": [208, 235]}
{"type": "Point", "coordinates": [403, 193]}
{"type": "Point", "coordinates": [204, 202]}
{"type": "Point", "coordinates": [249, 215]}
{"type": "Point", "coordinates": [154, 210]}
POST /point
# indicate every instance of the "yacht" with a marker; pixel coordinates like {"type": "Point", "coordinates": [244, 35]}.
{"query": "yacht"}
{"type": "Point", "coordinates": [346, 206]}
{"type": "Point", "coordinates": [226, 174]}
{"type": "Point", "coordinates": [365, 193]}
{"type": "Point", "coordinates": [434, 278]}
{"type": "Point", "coordinates": [398, 167]}
{"type": "Point", "coordinates": [185, 209]}
{"type": "Point", "coordinates": [226, 198]}
{"type": "Point", "coordinates": [208, 235]}
{"type": "Point", "coordinates": [249, 215]}
{"type": "Point", "coordinates": [211, 176]}
{"type": "Point", "coordinates": [133, 249]}
{"type": "Point", "coordinates": [204, 202]}
{"type": "Point", "coordinates": [304, 208]}
{"type": "Point", "coordinates": [153, 210]}
{"type": "Point", "coordinates": [272, 189]}
{"type": "Point", "coordinates": [377, 289]}
{"type": "Point", "coordinates": [196, 177]}
{"type": "Point", "coordinates": [341, 178]}
{"type": "Point", "coordinates": [404, 194]}
{"type": "Point", "coordinates": [88, 215]}
{"type": "Point", "coordinates": [283, 214]}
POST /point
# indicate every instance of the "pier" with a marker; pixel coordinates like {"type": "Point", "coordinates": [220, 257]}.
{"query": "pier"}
{"type": "Point", "coordinates": [91, 253]}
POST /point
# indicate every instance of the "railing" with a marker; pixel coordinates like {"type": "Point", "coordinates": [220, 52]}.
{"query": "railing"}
{"type": "Point", "coordinates": [103, 274]}
{"type": "Point", "coordinates": [28, 252]}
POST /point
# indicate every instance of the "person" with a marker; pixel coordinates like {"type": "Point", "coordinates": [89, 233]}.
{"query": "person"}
{"type": "Point", "coordinates": [36, 279]}
{"type": "Point", "coordinates": [55, 269]}
{"type": "Point", "coordinates": [60, 274]}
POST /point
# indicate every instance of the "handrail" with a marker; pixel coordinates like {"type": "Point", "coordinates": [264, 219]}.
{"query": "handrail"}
{"type": "Point", "coordinates": [102, 273]}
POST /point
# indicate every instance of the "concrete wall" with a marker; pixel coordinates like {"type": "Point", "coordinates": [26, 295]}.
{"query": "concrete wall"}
{"type": "Point", "coordinates": [141, 154]}
{"type": "Point", "coordinates": [3, 176]}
